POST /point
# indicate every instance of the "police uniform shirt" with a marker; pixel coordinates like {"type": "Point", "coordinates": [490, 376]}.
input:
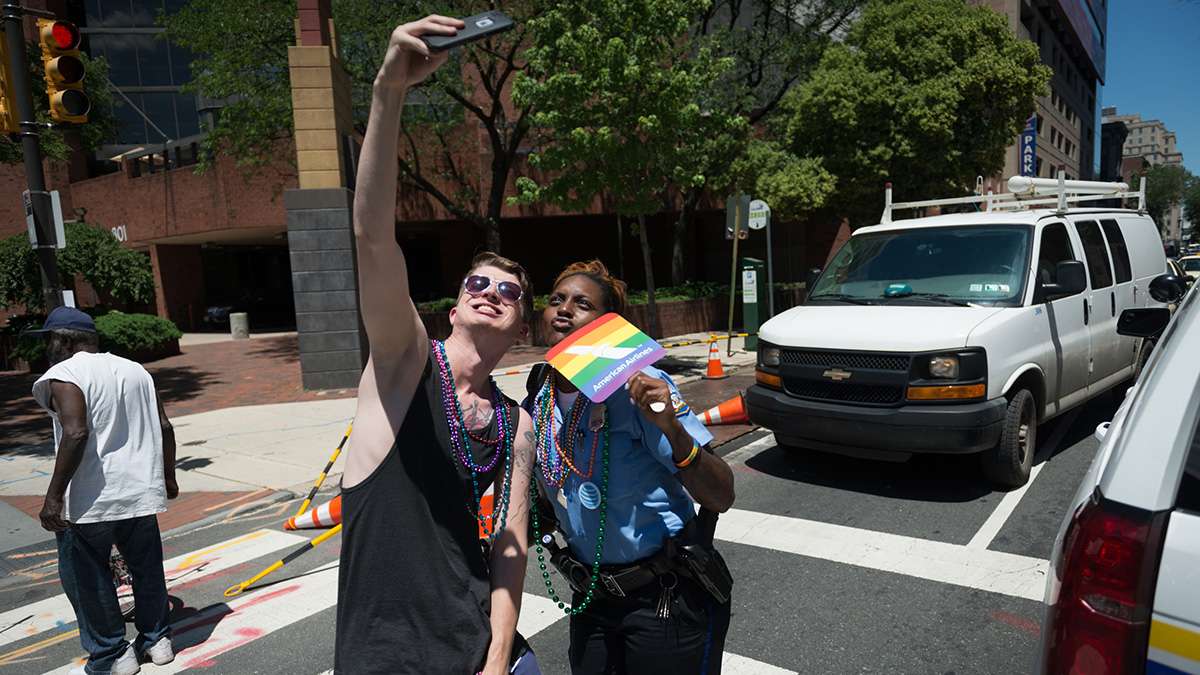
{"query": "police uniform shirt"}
{"type": "Point", "coordinates": [646, 502]}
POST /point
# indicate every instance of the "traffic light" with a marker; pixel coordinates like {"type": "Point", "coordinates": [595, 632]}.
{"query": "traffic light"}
{"type": "Point", "coordinates": [64, 71]}
{"type": "Point", "coordinates": [8, 103]}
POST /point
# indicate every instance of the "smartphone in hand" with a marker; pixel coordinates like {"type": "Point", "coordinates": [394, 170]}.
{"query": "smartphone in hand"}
{"type": "Point", "coordinates": [478, 27]}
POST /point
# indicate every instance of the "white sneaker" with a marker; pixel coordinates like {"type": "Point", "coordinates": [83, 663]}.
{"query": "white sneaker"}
{"type": "Point", "coordinates": [162, 652]}
{"type": "Point", "coordinates": [127, 664]}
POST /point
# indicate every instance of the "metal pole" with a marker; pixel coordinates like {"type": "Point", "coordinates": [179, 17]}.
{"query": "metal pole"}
{"type": "Point", "coordinates": [770, 273]}
{"type": "Point", "coordinates": [737, 228]}
{"type": "Point", "coordinates": [43, 220]}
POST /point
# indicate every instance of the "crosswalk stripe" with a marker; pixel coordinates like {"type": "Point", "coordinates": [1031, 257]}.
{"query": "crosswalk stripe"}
{"type": "Point", "coordinates": [994, 571]}
{"type": "Point", "coordinates": [56, 612]}
{"type": "Point", "coordinates": [537, 614]}
{"type": "Point", "coordinates": [732, 664]}
{"type": "Point", "coordinates": [222, 627]}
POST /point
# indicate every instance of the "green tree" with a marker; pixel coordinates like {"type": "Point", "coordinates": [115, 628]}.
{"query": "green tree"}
{"type": "Point", "coordinates": [250, 75]}
{"type": "Point", "coordinates": [1191, 203]}
{"type": "Point", "coordinates": [91, 252]}
{"type": "Point", "coordinates": [773, 46]}
{"type": "Point", "coordinates": [620, 97]}
{"type": "Point", "coordinates": [927, 93]}
{"type": "Point", "coordinates": [1166, 186]}
{"type": "Point", "coordinates": [56, 140]}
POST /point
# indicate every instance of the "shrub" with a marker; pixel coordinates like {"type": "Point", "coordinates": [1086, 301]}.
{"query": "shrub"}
{"type": "Point", "coordinates": [127, 334]}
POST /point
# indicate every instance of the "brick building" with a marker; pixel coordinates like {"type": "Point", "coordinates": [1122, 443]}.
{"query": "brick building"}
{"type": "Point", "coordinates": [1149, 143]}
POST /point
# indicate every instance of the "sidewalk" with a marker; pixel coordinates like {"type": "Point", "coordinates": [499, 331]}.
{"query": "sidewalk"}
{"type": "Point", "coordinates": [227, 452]}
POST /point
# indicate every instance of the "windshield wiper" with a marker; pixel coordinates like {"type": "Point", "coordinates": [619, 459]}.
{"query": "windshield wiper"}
{"type": "Point", "coordinates": [937, 297]}
{"type": "Point", "coordinates": [841, 296]}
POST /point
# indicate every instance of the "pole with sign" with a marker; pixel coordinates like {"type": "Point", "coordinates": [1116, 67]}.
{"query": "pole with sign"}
{"type": "Point", "coordinates": [737, 212]}
{"type": "Point", "coordinates": [760, 217]}
{"type": "Point", "coordinates": [1028, 147]}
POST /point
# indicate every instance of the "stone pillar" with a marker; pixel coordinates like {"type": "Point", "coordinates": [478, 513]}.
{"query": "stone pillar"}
{"type": "Point", "coordinates": [333, 345]}
{"type": "Point", "coordinates": [178, 284]}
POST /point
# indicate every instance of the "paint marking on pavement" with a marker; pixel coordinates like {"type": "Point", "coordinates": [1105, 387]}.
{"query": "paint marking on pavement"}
{"type": "Point", "coordinates": [750, 449]}
{"type": "Point", "coordinates": [1000, 515]}
{"type": "Point", "coordinates": [991, 527]}
{"type": "Point", "coordinates": [732, 664]}
{"type": "Point", "coordinates": [537, 614]}
{"type": "Point", "coordinates": [993, 571]}
{"type": "Point", "coordinates": [54, 612]}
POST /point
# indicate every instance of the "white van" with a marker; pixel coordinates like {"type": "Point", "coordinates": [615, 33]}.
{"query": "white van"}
{"type": "Point", "coordinates": [960, 333]}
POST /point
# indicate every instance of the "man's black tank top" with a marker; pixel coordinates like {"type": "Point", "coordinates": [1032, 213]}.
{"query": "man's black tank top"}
{"type": "Point", "coordinates": [414, 594]}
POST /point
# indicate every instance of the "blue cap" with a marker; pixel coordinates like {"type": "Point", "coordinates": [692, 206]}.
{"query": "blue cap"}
{"type": "Point", "coordinates": [66, 318]}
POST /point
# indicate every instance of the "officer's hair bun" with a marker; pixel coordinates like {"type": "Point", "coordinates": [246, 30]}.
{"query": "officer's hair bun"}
{"type": "Point", "coordinates": [615, 290]}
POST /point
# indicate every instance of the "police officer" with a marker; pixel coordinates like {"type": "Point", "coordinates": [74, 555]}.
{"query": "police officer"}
{"type": "Point", "coordinates": [649, 593]}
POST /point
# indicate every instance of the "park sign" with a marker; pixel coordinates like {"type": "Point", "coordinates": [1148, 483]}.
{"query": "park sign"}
{"type": "Point", "coordinates": [603, 355]}
{"type": "Point", "coordinates": [1028, 147]}
{"type": "Point", "coordinates": [760, 213]}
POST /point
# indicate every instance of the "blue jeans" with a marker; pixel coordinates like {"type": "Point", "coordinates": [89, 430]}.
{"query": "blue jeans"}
{"type": "Point", "coordinates": [83, 553]}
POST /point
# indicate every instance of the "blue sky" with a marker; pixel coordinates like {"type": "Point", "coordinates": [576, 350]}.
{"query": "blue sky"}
{"type": "Point", "coordinates": [1153, 65]}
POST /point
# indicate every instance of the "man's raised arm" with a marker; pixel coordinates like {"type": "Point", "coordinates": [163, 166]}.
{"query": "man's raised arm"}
{"type": "Point", "coordinates": [390, 317]}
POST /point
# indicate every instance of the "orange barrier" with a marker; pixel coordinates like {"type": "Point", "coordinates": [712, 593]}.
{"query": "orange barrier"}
{"type": "Point", "coordinates": [732, 411]}
{"type": "Point", "coordinates": [325, 515]}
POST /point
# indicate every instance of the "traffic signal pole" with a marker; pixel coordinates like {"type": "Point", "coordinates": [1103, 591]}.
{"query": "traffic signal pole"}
{"type": "Point", "coordinates": [43, 220]}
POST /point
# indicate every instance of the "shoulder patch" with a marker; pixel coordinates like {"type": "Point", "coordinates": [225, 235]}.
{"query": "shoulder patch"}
{"type": "Point", "coordinates": [681, 407]}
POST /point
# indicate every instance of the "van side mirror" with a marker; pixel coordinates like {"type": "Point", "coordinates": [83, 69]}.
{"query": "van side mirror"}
{"type": "Point", "coordinates": [1168, 288]}
{"type": "Point", "coordinates": [1143, 322]}
{"type": "Point", "coordinates": [1071, 278]}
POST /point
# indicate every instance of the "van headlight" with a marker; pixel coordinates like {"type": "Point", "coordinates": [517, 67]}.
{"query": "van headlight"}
{"type": "Point", "coordinates": [769, 356]}
{"type": "Point", "coordinates": [944, 366]}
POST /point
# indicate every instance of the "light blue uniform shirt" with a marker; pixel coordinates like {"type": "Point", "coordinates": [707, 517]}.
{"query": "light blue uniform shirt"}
{"type": "Point", "coordinates": [646, 502]}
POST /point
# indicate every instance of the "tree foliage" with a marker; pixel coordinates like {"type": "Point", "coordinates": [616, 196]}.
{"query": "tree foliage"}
{"type": "Point", "coordinates": [1191, 204]}
{"type": "Point", "coordinates": [91, 252]}
{"type": "Point", "coordinates": [623, 102]}
{"type": "Point", "coordinates": [250, 74]}
{"type": "Point", "coordinates": [1166, 186]}
{"type": "Point", "coordinates": [100, 128]}
{"type": "Point", "coordinates": [927, 93]}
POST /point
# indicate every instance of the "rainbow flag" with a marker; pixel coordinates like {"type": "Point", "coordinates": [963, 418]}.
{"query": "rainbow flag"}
{"type": "Point", "coordinates": [601, 357]}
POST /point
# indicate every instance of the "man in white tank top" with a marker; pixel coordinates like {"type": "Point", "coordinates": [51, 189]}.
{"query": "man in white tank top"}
{"type": "Point", "coordinates": [115, 470]}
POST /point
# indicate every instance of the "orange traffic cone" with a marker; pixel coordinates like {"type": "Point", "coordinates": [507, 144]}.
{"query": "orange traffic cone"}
{"type": "Point", "coordinates": [486, 506]}
{"type": "Point", "coordinates": [732, 411]}
{"type": "Point", "coordinates": [325, 515]}
{"type": "Point", "coordinates": [715, 370]}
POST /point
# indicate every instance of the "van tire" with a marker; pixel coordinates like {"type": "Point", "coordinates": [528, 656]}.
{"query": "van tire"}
{"type": "Point", "coordinates": [1008, 464]}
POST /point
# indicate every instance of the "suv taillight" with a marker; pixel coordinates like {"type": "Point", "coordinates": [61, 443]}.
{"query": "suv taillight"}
{"type": "Point", "coordinates": [1101, 620]}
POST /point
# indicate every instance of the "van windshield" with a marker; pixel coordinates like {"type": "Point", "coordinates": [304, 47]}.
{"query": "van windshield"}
{"type": "Point", "coordinates": [930, 266]}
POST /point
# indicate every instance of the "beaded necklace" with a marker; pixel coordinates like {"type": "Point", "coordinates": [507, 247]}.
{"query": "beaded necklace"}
{"type": "Point", "coordinates": [539, 538]}
{"type": "Point", "coordinates": [460, 444]}
{"type": "Point", "coordinates": [554, 459]}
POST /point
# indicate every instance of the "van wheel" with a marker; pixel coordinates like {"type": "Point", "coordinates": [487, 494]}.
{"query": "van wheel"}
{"type": "Point", "coordinates": [1008, 464]}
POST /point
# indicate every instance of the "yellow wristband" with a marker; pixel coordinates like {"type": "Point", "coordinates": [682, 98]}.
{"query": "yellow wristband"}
{"type": "Point", "coordinates": [690, 458]}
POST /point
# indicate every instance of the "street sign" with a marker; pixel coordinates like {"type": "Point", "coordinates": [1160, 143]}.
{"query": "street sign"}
{"type": "Point", "coordinates": [59, 236]}
{"type": "Point", "coordinates": [737, 213]}
{"type": "Point", "coordinates": [1028, 147]}
{"type": "Point", "coordinates": [760, 214]}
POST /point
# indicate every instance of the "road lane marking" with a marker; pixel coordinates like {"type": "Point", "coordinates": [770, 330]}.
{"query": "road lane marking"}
{"type": "Point", "coordinates": [993, 571]}
{"type": "Point", "coordinates": [1000, 515]}
{"type": "Point", "coordinates": [991, 527]}
{"type": "Point", "coordinates": [56, 612]}
{"type": "Point", "coordinates": [537, 614]}
{"type": "Point", "coordinates": [732, 664]}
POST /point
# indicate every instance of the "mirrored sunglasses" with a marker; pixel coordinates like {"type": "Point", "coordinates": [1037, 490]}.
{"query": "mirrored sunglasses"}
{"type": "Point", "coordinates": [510, 292]}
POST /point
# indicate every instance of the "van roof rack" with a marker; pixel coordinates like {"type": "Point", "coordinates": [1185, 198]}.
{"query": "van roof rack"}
{"type": "Point", "coordinates": [1026, 192]}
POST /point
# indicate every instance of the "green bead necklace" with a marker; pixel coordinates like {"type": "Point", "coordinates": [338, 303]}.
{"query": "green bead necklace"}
{"type": "Point", "coordinates": [537, 536]}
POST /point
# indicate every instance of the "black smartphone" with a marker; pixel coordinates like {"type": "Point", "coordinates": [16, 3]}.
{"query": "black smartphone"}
{"type": "Point", "coordinates": [478, 27]}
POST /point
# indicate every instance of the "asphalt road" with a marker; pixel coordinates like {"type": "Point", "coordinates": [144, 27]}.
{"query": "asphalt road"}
{"type": "Point", "coordinates": [841, 566]}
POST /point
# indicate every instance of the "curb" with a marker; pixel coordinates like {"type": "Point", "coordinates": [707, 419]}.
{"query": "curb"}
{"type": "Point", "coordinates": [255, 507]}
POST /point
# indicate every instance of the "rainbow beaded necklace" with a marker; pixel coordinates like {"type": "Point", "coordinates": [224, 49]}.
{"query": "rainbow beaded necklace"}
{"type": "Point", "coordinates": [551, 458]}
{"type": "Point", "coordinates": [460, 444]}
